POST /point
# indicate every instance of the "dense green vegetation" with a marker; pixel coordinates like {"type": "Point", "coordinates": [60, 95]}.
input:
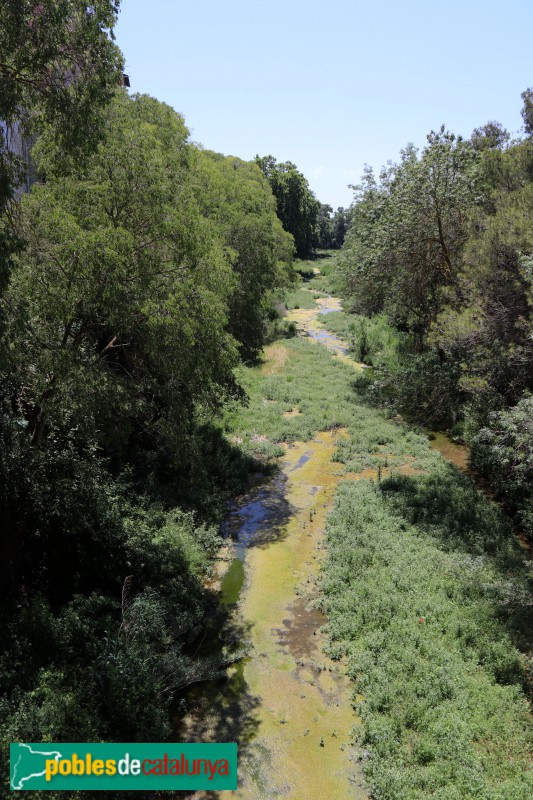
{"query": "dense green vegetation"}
{"type": "Point", "coordinates": [314, 225]}
{"type": "Point", "coordinates": [39, 45]}
{"type": "Point", "coordinates": [297, 207]}
{"type": "Point", "coordinates": [372, 340]}
{"type": "Point", "coordinates": [424, 585]}
{"type": "Point", "coordinates": [139, 282]}
{"type": "Point", "coordinates": [316, 277]}
{"type": "Point", "coordinates": [417, 589]}
{"type": "Point", "coordinates": [331, 227]}
{"type": "Point", "coordinates": [139, 272]}
{"type": "Point", "coordinates": [440, 248]}
{"type": "Point", "coordinates": [123, 320]}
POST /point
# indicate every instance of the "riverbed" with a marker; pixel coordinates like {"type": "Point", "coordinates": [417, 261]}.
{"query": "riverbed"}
{"type": "Point", "coordinates": [287, 704]}
{"type": "Point", "coordinates": [289, 707]}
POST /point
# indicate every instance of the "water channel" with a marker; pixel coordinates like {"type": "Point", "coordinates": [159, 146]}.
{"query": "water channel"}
{"type": "Point", "coordinates": [285, 703]}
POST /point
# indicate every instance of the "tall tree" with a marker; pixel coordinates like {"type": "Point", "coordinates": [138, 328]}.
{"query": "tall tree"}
{"type": "Point", "coordinates": [340, 225]}
{"type": "Point", "coordinates": [59, 65]}
{"type": "Point", "coordinates": [297, 207]}
{"type": "Point", "coordinates": [492, 135]}
{"type": "Point", "coordinates": [237, 196]}
{"type": "Point", "coordinates": [324, 227]}
{"type": "Point", "coordinates": [331, 227]}
{"type": "Point", "coordinates": [408, 232]}
{"type": "Point", "coordinates": [116, 312]}
{"type": "Point", "coordinates": [486, 325]}
{"type": "Point", "coordinates": [58, 69]}
{"type": "Point", "coordinates": [527, 111]}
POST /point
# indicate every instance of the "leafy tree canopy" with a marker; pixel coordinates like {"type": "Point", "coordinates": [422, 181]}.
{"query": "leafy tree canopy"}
{"type": "Point", "coordinates": [236, 195]}
{"type": "Point", "coordinates": [297, 207]}
{"type": "Point", "coordinates": [408, 231]}
{"type": "Point", "coordinates": [59, 67]}
{"type": "Point", "coordinates": [59, 64]}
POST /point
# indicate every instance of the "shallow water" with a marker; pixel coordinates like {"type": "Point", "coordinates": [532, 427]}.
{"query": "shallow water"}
{"type": "Point", "coordinates": [308, 324]}
{"type": "Point", "coordinates": [452, 451]}
{"type": "Point", "coordinates": [287, 705]}
{"type": "Point", "coordinates": [458, 455]}
{"type": "Point", "coordinates": [257, 515]}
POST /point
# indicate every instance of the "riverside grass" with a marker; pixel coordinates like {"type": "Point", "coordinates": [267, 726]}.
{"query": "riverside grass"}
{"type": "Point", "coordinates": [427, 627]}
{"type": "Point", "coordinates": [300, 298]}
{"type": "Point", "coordinates": [325, 392]}
{"type": "Point", "coordinates": [423, 584]}
{"type": "Point", "coordinates": [372, 340]}
{"type": "Point", "coordinates": [311, 283]}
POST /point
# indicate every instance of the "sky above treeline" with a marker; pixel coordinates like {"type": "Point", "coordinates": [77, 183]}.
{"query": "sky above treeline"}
{"type": "Point", "coordinates": [330, 86]}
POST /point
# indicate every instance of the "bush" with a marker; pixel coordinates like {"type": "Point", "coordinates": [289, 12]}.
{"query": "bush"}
{"type": "Point", "coordinates": [503, 451]}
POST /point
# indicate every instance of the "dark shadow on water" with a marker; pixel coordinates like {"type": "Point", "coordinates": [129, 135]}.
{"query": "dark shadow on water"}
{"type": "Point", "coordinates": [222, 709]}
{"type": "Point", "coordinates": [302, 460]}
{"type": "Point", "coordinates": [306, 274]}
{"type": "Point", "coordinates": [260, 517]}
{"type": "Point", "coordinates": [218, 469]}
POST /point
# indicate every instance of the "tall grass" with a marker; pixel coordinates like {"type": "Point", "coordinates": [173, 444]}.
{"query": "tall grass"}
{"type": "Point", "coordinates": [372, 340]}
{"type": "Point", "coordinates": [327, 394]}
{"type": "Point", "coordinates": [300, 298]}
{"type": "Point", "coordinates": [423, 584]}
{"type": "Point", "coordinates": [326, 280]}
{"type": "Point", "coordinates": [427, 615]}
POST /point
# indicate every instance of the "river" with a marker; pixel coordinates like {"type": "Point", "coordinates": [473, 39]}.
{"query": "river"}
{"type": "Point", "coordinates": [286, 703]}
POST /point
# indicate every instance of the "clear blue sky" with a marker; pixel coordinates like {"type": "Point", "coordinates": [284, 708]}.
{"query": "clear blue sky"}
{"type": "Point", "coordinates": [330, 85]}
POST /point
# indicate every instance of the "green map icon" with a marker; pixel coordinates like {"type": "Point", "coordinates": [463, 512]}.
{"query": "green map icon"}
{"type": "Point", "coordinates": [29, 763]}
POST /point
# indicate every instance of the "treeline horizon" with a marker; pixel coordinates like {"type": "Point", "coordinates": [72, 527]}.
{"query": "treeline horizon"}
{"type": "Point", "coordinates": [438, 264]}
